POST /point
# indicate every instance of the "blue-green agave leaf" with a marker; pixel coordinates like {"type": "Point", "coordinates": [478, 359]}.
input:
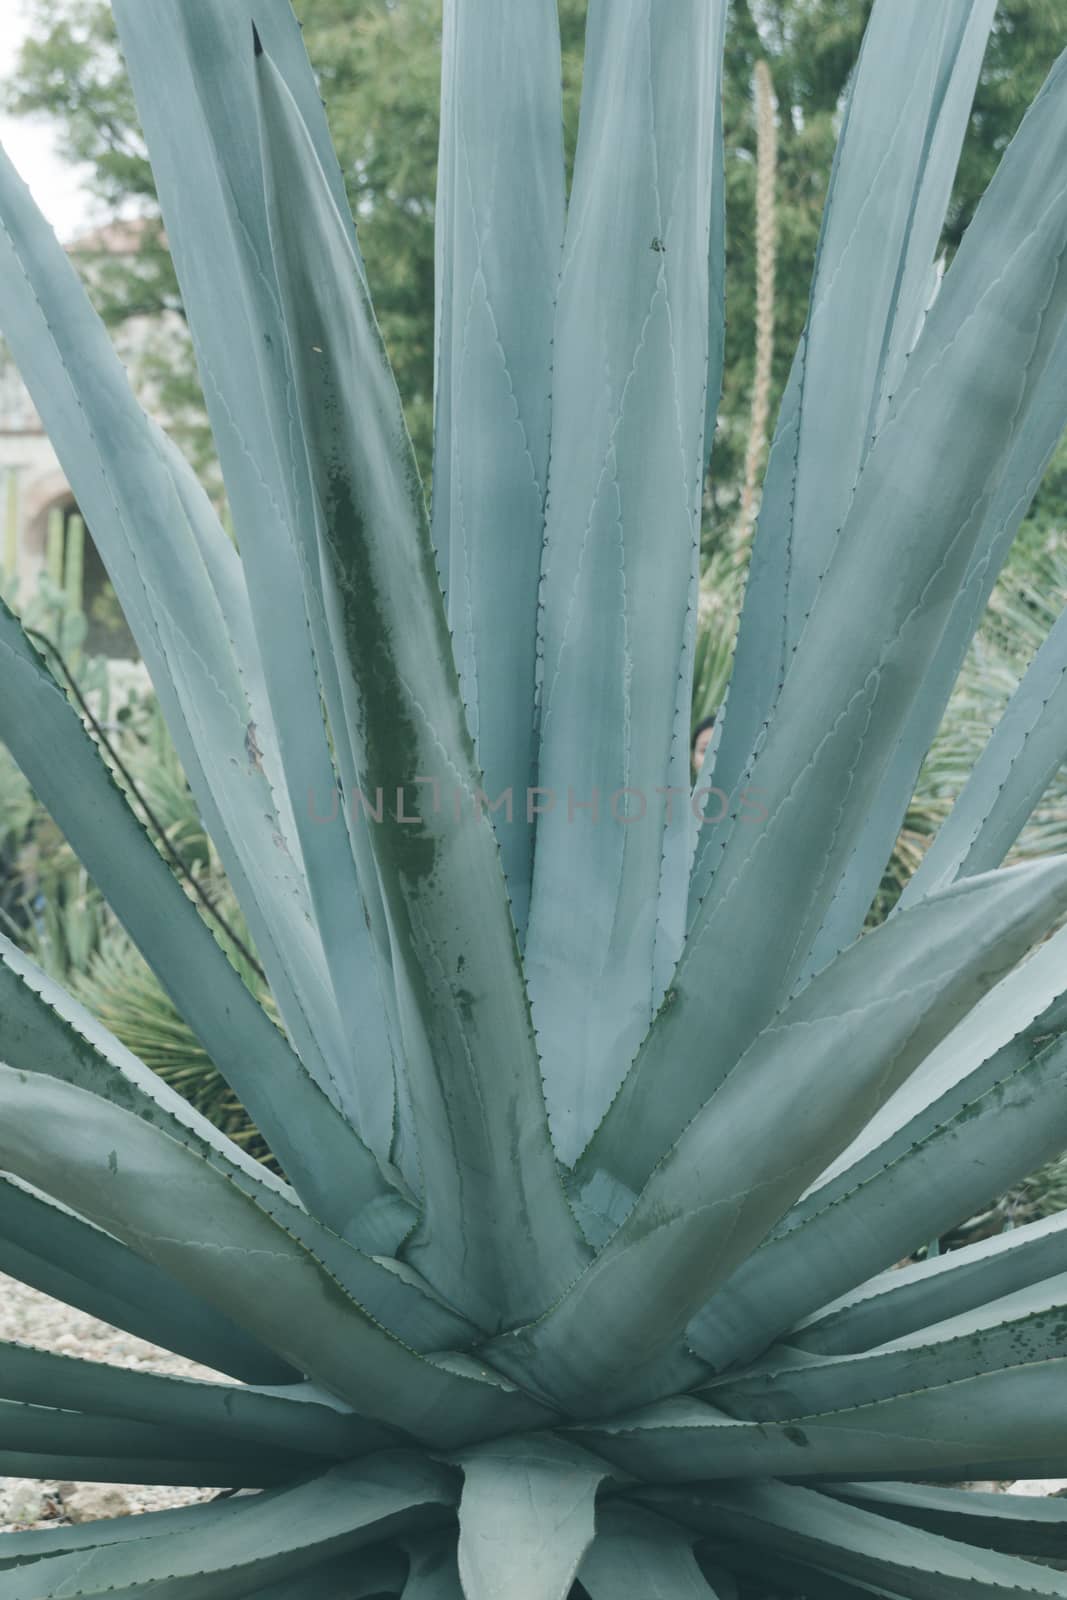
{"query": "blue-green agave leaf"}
{"type": "Point", "coordinates": [1018, 1524]}
{"type": "Point", "coordinates": [1003, 1424]}
{"type": "Point", "coordinates": [971, 387]}
{"type": "Point", "coordinates": [620, 572]}
{"type": "Point", "coordinates": [716, 287]}
{"type": "Point", "coordinates": [496, 1236]}
{"type": "Point", "coordinates": [1019, 1016]}
{"type": "Point", "coordinates": [848, 1542]}
{"type": "Point", "coordinates": [44, 1030]}
{"type": "Point", "coordinates": [907, 1299]}
{"type": "Point", "coordinates": [207, 174]}
{"type": "Point", "coordinates": [526, 1517]}
{"type": "Point", "coordinates": [133, 1180]}
{"type": "Point", "coordinates": [906, 115]}
{"type": "Point", "coordinates": [120, 470]}
{"type": "Point", "coordinates": [378, 1572]}
{"type": "Point", "coordinates": [1027, 748]}
{"type": "Point", "coordinates": [778, 1574]}
{"type": "Point", "coordinates": [638, 1556]}
{"type": "Point", "coordinates": [1030, 454]}
{"type": "Point", "coordinates": [1025, 469]}
{"type": "Point", "coordinates": [908, 111]}
{"type": "Point", "coordinates": [433, 1568]}
{"type": "Point", "coordinates": [807, 1084]}
{"type": "Point", "coordinates": [321, 1153]}
{"type": "Point", "coordinates": [1027, 1006]}
{"type": "Point", "coordinates": [946, 1172]}
{"type": "Point", "coordinates": [254, 1541]}
{"type": "Point", "coordinates": [498, 237]}
{"type": "Point", "coordinates": [21, 1549]}
{"type": "Point", "coordinates": [226, 575]}
{"type": "Point", "coordinates": [1017, 1329]}
{"type": "Point", "coordinates": [297, 1417]}
{"type": "Point", "coordinates": [138, 1450]}
{"type": "Point", "coordinates": [50, 1248]}
{"type": "Point", "coordinates": [173, 1467]}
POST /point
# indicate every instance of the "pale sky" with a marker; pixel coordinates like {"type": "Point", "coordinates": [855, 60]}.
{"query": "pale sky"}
{"type": "Point", "coordinates": [56, 187]}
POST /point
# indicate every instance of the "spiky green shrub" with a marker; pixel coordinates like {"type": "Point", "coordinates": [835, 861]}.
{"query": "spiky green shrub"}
{"type": "Point", "coordinates": [122, 991]}
{"type": "Point", "coordinates": [597, 1152]}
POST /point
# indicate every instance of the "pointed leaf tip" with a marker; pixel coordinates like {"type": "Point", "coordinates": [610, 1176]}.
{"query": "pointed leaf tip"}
{"type": "Point", "coordinates": [257, 42]}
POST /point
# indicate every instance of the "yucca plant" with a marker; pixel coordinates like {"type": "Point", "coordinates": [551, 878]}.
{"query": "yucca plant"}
{"type": "Point", "coordinates": [120, 990]}
{"type": "Point", "coordinates": [599, 1144]}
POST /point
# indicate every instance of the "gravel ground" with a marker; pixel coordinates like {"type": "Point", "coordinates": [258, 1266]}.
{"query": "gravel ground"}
{"type": "Point", "coordinates": [33, 1318]}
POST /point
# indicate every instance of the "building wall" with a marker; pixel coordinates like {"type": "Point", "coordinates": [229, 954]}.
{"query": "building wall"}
{"type": "Point", "coordinates": [32, 482]}
{"type": "Point", "coordinates": [33, 486]}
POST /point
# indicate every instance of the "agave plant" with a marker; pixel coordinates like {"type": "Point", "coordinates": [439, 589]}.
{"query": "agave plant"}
{"type": "Point", "coordinates": [600, 1130]}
